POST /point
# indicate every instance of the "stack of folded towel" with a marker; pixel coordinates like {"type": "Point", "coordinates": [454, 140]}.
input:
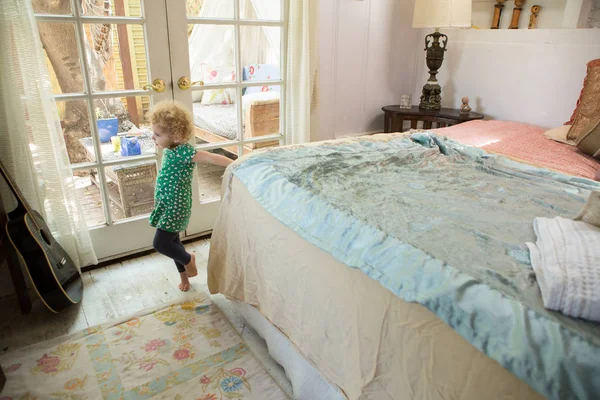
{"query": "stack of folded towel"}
{"type": "Point", "coordinates": [566, 260]}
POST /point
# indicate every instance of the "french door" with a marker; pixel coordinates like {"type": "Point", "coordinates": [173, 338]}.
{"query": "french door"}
{"type": "Point", "coordinates": [111, 60]}
{"type": "Point", "coordinates": [227, 66]}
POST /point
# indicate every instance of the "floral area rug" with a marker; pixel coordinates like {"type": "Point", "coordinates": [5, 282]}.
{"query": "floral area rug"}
{"type": "Point", "coordinates": [183, 351]}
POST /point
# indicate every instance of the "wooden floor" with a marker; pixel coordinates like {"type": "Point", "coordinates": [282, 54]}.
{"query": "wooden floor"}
{"type": "Point", "coordinates": [120, 290]}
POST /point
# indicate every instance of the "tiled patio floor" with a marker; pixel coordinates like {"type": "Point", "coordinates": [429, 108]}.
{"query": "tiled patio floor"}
{"type": "Point", "coordinates": [91, 200]}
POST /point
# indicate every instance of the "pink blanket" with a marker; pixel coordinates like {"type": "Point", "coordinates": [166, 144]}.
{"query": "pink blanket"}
{"type": "Point", "coordinates": [525, 143]}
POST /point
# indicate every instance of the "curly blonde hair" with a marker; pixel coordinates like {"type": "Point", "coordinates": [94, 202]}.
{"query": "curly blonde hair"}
{"type": "Point", "coordinates": [174, 118]}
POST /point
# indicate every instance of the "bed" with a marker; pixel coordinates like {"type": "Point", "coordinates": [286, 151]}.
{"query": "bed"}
{"type": "Point", "coordinates": [309, 273]}
{"type": "Point", "coordinates": [525, 143]}
{"type": "Point", "coordinates": [217, 123]}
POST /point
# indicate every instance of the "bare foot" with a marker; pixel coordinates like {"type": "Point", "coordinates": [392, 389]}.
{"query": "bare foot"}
{"type": "Point", "coordinates": [184, 286]}
{"type": "Point", "coordinates": [191, 269]}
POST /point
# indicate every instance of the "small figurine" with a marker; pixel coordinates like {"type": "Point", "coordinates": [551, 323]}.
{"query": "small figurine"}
{"type": "Point", "coordinates": [535, 10]}
{"type": "Point", "coordinates": [465, 108]}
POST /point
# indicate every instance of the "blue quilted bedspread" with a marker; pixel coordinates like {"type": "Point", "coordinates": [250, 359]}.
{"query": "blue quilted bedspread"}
{"type": "Point", "coordinates": [443, 225]}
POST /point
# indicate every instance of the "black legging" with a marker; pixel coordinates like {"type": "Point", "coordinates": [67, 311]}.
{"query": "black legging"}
{"type": "Point", "coordinates": [169, 244]}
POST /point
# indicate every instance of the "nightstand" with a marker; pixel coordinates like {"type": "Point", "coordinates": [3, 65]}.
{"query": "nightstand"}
{"type": "Point", "coordinates": [395, 117]}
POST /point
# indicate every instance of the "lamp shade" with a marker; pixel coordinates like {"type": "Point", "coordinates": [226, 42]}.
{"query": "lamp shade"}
{"type": "Point", "coordinates": [442, 14]}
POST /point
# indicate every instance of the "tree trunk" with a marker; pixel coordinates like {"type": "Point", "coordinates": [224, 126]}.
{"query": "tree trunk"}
{"type": "Point", "coordinates": [60, 43]}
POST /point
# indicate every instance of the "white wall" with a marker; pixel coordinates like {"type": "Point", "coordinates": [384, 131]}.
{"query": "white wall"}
{"type": "Point", "coordinates": [367, 59]}
{"type": "Point", "coordinates": [532, 76]}
{"type": "Point", "coordinates": [554, 13]}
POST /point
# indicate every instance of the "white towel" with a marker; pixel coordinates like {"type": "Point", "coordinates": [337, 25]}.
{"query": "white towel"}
{"type": "Point", "coordinates": [566, 261]}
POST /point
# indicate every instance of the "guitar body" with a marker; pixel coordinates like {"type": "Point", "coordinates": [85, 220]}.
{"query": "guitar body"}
{"type": "Point", "coordinates": [52, 272]}
{"type": "Point", "coordinates": [50, 268]}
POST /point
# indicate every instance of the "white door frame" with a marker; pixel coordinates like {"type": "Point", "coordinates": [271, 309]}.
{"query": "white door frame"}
{"type": "Point", "coordinates": [116, 238]}
{"type": "Point", "coordinates": [204, 213]}
{"type": "Point", "coordinates": [165, 29]}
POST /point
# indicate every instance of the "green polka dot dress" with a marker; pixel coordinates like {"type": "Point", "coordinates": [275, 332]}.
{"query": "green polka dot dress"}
{"type": "Point", "coordinates": [173, 192]}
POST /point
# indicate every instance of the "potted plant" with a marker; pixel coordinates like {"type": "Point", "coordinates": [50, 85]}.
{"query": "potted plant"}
{"type": "Point", "coordinates": [107, 123]}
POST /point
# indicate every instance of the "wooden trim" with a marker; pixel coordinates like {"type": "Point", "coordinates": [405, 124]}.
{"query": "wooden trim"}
{"type": "Point", "coordinates": [394, 118]}
{"type": "Point", "coordinates": [214, 138]}
{"type": "Point", "coordinates": [135, 65]}
{"type": "Point", "coordinates": [142, 253]}
{"type": "Point", "coordinates": [126, 66]}
{"type": "Point", "coordinates": [262, 120]}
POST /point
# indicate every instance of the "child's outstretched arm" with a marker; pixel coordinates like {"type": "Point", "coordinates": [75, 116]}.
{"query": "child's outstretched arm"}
{"type": "Point", "coordinates": [210, 158]}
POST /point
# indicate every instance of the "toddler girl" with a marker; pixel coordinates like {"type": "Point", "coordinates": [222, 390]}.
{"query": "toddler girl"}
{"type": "Point", "coordinates": [172, 127]}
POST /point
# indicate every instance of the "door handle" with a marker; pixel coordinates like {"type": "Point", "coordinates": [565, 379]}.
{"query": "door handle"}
{"type": "Point", "coordinates": [185, 83]}
{"type": "Point", "coordinates": [158, 85]}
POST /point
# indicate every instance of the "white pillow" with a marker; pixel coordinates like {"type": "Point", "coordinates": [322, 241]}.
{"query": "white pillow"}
{"type": "Point", "coordinates": [248, 99]}
{"type": "Point", "coordinates": [216, 75]}
{"type": "Point", "coordinates": [197, 95]}
{"type": "Point", "coordinates": [559, 134]}
{"type": "Point", "coordinates": [217, 96]}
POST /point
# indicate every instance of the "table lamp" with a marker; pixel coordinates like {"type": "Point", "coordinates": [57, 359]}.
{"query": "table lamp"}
{"type": "Point", "coordinates": [438, 14]}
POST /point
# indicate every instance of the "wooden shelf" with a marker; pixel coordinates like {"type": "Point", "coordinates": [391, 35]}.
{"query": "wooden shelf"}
{"type": "Point", "coordinates": [555, 14]}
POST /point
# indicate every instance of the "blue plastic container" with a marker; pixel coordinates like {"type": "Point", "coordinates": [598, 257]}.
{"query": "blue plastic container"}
{"type": "Point", "coordinates": [130, 146]}
{"type": "Point", "coordinates": [107, 128]}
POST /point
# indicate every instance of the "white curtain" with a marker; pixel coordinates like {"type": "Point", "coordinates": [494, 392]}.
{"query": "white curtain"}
{"type": "Point", "coordinates": [212, 44]}
{"type": "Point", "coordinates": [265, 10]}
{"type": "Point", "coordinates": [32, 146]}
{"type": "Point", "coordinates": [215, 44]}
{"type": "Point", "coordinates": [302, 71]}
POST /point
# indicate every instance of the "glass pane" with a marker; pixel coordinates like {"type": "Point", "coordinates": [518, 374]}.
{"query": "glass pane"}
{"type": "Point", "coordinates": [212, 54]}
{"type": "Point", "coordinates": [260, 53]}
{"type": "Point", "coordinates": [122, 127]}
{"type": "Point", "coordinates": [131, 189]}
{"type": "Point", "coordinates": [215, 116]}
{"type": "Point", "coordinates": [261, 108]}
{"type": "Point", "coordinates": [61, 7]}
{"type": "Point", "coordinates": [119, 56]}
{"type": "Point", "coordinates": [75, 123]}
{"type": "Point", "coordinates": [210, 177]}
{"type": "Point", "coordinates": [89, 195]}
{"type": "Point", "coordinates": [114, 8]}
{"type": "Point", "coordinates": [260, 9]}
{"type": "Point", "coordinates": [209, 8]}
{"type": "Point", "coordinates": [62, 56]}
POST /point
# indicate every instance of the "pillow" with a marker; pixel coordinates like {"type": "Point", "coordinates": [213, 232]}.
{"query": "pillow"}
{"type": "Point", "coordinates": [589, 141]}
{"type": "Point", "coordinates": [588, 107]}
{"type": "Point", "coordinates": [261, 72]}
{"type": "Point", "coordinates": [197, 95]}
{"type": "Point", "coordinates": [216, 96]}
{"type": "Point", "coordinates": [216, 75]}
{"type": "Point", "coordinates": [559, 134]}
{"type": "Point", "coordinates": [259, 98]}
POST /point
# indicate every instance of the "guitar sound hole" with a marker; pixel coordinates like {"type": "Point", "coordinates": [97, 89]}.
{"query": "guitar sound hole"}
{"type": "Point", "coordinates": [45, 237]}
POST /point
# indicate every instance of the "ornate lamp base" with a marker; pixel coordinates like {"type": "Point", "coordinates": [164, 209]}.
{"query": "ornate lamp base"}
{"type": "Point", "coordinates": [435, 46]}
{"type": "Point", "coordinates": [431, 99]}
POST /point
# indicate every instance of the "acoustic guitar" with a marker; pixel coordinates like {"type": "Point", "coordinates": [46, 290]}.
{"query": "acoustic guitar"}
{"type": "Point", "coordinates": [52, 272]}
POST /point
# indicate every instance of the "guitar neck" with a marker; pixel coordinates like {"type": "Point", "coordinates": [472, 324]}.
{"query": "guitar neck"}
{"type": "Point", "coordinates": [14, 188]}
